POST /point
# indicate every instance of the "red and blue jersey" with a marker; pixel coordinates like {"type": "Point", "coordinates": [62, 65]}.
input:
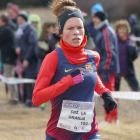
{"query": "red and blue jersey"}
{"type": "Point", "coordinates": [54, 83]}
{"type": "Point", "coordinates": [80, 92]}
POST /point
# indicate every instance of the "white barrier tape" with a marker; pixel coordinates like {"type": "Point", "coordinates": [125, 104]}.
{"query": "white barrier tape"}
{"type": "Point", "coordinates": [13, 81]}
{"type": "Point", "coordinates": [135, 38]}
{"type": "Point", "coordinates": [125, 95]}
{"type": "Point", "coordinates": [116, 94]}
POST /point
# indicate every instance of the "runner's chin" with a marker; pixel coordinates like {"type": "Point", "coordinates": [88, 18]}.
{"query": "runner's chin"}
{"type": "Point", "coordinates": [76, 43]}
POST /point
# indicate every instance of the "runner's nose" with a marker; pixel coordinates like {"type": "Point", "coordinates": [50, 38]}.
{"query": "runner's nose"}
{"type": "Point", "coordinates": [76, 31]}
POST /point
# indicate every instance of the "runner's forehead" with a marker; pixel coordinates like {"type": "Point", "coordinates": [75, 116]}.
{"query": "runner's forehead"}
{"type": "Point", "coordinates": [74, 22]}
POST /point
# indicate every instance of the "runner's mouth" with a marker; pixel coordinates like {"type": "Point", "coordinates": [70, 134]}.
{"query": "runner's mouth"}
{"type": "Point", "coordinates": [76, 39]}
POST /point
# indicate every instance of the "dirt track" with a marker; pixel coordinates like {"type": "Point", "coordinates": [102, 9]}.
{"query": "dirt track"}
{"type": "Point", "coordinates": [20, 123]}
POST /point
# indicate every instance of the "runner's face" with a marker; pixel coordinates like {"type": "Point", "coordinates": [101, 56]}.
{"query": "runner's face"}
{"type": "Point", "coordinates": [73, 32]}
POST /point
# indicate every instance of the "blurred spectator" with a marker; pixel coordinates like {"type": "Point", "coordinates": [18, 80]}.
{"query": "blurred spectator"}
{"type": "Point", "coordinates": [90, 27]}
{"type": "Point", "coordinates": [90, 43]}
{"type": "Point", "coordinates": [26, 43]}
{"type": "Point", "coordinates": [54, 38]}
{"type": "Point", "coordinates": [135, 29]}
{"type": "Point", "coordinates": [36, 23]}
{"type": "Point", "coordinates": [47, 42]}
{"type": "Point", "coordinates": [13, 12]}
{"type": "Point", "coordinates": [8, 55]}
{"type": "Point", "coordinates": [106, 46]}
{"type": "Point", "coordinates": [128, 52]}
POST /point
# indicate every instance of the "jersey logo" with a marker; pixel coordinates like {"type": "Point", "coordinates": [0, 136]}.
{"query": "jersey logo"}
{"type": "Point", "coordinates": [89, 68]}
{"type": "Point", "coordinates": [67, 70]}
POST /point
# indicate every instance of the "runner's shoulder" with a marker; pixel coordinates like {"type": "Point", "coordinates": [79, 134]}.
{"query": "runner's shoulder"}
{"type": "Point", "coordinates": [53, 56]}
{"type": "Point", "coordinates": [96, 56]}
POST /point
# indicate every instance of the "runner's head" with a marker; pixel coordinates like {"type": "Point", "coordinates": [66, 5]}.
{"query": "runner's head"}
{"type": "Point", "coordinates": [70, 21]}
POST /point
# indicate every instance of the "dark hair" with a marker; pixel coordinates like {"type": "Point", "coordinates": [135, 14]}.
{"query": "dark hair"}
{"type": "Point", "coordinates": [44, 31]}
{"type": "Point", "coordinates": [4, 18]}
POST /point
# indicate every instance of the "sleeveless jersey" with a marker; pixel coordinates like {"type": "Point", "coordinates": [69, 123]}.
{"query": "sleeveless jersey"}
{"type": "Point", "coordinates": [83, 92]}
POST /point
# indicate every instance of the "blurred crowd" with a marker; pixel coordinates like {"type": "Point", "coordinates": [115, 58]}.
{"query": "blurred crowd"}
{"type": "Point", "coordinates": [25, 41]}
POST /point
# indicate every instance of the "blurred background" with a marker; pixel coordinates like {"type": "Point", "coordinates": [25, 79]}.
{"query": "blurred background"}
{"type": "Point", "coordinates": [25, 122]}
{"type": "Point", "coordinates": [115, 9]}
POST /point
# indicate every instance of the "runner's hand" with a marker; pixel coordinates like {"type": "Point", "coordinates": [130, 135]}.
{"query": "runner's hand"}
{"type": "Point", "coordinates": [78, 75]}
{"type": "Point", "coordinates": [109, 102]}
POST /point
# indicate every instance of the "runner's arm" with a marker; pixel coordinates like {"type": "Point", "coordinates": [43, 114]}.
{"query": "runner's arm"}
{"type": "Point", "coordinates": [43, 92]}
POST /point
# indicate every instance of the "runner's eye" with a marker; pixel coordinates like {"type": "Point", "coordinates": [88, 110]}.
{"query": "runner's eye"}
{"type": "Point", "coordinates": [80, 27]}
{"type": "Point", "coordinates": [70, 28]}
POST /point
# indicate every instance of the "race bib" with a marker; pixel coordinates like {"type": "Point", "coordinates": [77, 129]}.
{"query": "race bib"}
{"type": "Point", "coordinates": [76, 116]}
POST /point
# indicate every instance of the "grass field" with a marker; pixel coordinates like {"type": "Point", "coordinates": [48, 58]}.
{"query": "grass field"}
{"type": "Point", "coordinates": [20, 123]}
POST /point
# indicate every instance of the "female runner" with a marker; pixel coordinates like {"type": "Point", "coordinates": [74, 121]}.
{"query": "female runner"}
{"type": "Point", "coordinates": [68, 78]}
